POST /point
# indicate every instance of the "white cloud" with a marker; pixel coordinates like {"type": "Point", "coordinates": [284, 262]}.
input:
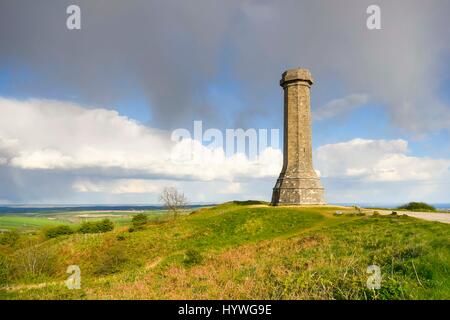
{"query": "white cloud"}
{"type": "Point", "coordinates": [118, 186]}
{"type": "Point", "coordinates": [233, 188]}
{"type": "Point", "coordinates": [148, 190]}
{"type": "Point", "coordinates": [52, 149]}
{"type": "Point", "coordinates": [378, 160]}
{"type": "Point", "coordinates": [340, 106]}
{"type": "Point", "coordinates": [55, 135]}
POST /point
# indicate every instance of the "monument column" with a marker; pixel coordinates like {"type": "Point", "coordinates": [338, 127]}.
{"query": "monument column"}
{"type": "Point", "coordinates": [298, 182]}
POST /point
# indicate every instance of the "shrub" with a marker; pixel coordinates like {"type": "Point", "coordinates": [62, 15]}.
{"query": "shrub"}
{"type": "Point", "coordinates": [104, 225]}
{"type": "Point", "coordinates": [139, 221]}
{"type": "Point", "coordinates": [4, 270]}
{"type": "Point", "coordinates": [88, 227]}
{"type": "Point", "coordinates": [417, 206]}
{"type": "Point", "coordinates": [33, 261]}
{"type": "Point", "coordinates": [57, 231]}
{"type": "Point", "coordinates": [121, 237]}
{"type": "Point", "coordinates": [192, 257]}
{"type": "Point", "coordinates": [9, 238]}
{"type": "Point", "coordinates": [112, 261]}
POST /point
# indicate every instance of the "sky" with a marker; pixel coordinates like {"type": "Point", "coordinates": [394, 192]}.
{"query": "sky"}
{"type": "Point", "coordinates": [87, 116]}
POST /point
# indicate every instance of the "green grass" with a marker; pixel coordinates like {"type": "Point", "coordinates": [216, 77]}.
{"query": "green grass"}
{"type": "Point", "coordinates": [37, 221]}
{"type": "Point", "coordinates": [248, 251]}
{"type": "Point", "coordinates": [23, 222]}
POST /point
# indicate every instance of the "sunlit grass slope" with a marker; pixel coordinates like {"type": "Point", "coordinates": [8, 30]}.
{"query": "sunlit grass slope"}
{"type": "Point", "coordinates": [251, 251]}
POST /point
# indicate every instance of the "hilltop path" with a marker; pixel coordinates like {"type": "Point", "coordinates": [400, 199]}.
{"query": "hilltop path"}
{"type": "Point", "coordinates": [431, 216]}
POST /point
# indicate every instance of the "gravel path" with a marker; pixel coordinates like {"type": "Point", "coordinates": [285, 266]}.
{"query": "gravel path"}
{"type": "Point", "coordinates": [432, 216]}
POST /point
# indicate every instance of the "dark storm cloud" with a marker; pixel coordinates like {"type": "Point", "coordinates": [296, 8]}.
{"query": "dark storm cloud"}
{"type": "Point", "coordinates": [171, 50]}
{"type": "Point", "coordinates": [19, 186]}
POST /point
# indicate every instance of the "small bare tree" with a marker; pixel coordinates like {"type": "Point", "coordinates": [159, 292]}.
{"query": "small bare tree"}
{"type": "Point", "coordinates": [173, 200]}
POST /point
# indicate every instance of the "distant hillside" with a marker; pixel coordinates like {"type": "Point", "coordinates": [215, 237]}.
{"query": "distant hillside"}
{"type": "Point", "coordinates": [242, 251]}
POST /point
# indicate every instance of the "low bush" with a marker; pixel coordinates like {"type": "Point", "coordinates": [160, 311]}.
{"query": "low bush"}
{"type": "Point", "coordinates": [112, 261]}
{"type": "Point", "coordinates": [139, 221]}
{"type": "Point", "coordinates": [9, 238]}
{"type": "Point", "coordinates": [33, 261]}
{"type": "Point", "coordinates": [121, 236]}
{"type": "Point", "coordinates": [102, 226]}
{"type": "Point", "coordinates": [192, 257]}
{"type": "Point", "coordinates": [417, 206]}
{"type": "Point", "coordinates": [57, 231]}
{"type": "Point", "coordinates": [4, 270]}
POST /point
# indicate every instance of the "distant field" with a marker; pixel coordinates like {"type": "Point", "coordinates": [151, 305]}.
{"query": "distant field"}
{"type": "Point", "coordinates": [17, 222]}
{"type": "Point", "coordinates": [23, 222]}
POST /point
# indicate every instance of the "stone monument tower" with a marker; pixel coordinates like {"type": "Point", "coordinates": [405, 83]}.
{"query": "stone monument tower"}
{"type": "Point", "coordinates": [298, 182]}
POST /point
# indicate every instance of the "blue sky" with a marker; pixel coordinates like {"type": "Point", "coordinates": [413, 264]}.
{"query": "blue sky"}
{"type": "Point", "coordinates": [107, 97]}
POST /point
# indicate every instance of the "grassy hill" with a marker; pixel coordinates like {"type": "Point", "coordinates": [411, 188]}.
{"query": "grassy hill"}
{"type": "Point", "coordinates": [240, 251]}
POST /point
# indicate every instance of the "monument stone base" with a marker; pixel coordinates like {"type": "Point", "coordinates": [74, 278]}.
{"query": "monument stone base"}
{"type": "Point", "coordinates": [298, 191]}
